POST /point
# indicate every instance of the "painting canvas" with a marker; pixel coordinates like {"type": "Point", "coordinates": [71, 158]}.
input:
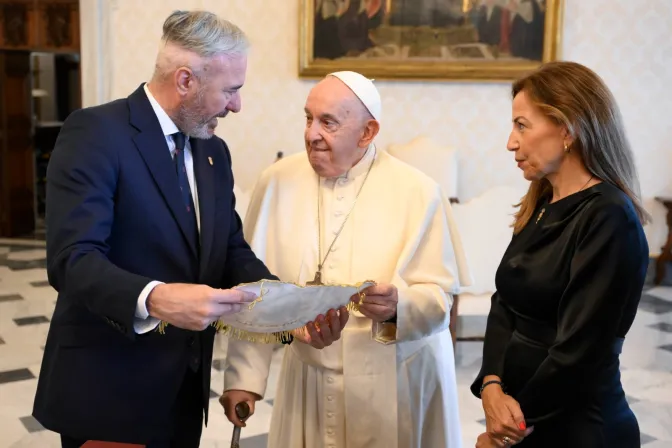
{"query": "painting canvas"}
{"type": "Point", "coordinates": [429, 39]}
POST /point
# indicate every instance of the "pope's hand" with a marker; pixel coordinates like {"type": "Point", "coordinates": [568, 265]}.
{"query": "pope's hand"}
{"type": "Point", "coordinates": [194, 307]}
{"type": "Point", "coordinates": [323, 331]}
{"type": "Point", "coordinates": [232, 398]}
{"type": "Point", "coordinates": [378, 302]}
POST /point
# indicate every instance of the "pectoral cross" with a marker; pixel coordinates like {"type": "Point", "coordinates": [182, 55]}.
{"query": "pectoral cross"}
{"type": "Point", "coordinates": [318, 277]}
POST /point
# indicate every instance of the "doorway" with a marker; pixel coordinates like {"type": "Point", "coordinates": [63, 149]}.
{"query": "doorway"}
{"type": "Point", "coordinates": [40, 85]}
{"type": "Point", "coordinates": [55, 92]}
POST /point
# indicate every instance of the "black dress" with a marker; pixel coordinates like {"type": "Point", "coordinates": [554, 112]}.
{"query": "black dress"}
{"type": "Point", "coordinates": [568, 288]}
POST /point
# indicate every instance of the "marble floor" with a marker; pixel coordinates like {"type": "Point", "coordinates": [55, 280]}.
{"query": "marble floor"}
{"type": "Point", "coordinates": [27, 301]}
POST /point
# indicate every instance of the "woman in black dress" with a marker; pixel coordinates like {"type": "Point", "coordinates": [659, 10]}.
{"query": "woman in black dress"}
{"type": "Point", "coordinates": [570, 281]}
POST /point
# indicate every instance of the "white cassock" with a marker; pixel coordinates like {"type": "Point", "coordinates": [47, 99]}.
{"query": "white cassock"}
{"type": "Point", "coordinates": [367, 390]}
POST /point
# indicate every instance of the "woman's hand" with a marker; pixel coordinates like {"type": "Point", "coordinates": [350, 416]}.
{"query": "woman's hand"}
{"type": "Point", "coordinates": [504, 419]}
{"type": "Point", "coordinates": [485, 441]}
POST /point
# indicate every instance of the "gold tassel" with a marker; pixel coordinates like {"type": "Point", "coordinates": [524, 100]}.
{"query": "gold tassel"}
{"type": "Point", "coordinates": [352, 306]}
{"type": "Point", "coordinates": [162, 327]}
{"type": "Point", "coordinates": [263, 338]}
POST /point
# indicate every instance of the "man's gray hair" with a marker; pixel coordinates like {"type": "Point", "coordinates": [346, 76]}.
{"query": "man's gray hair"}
{"type": "Point", "coordinates": [199, 33]}
{"type": "Point", "coordinates": [204, 33]}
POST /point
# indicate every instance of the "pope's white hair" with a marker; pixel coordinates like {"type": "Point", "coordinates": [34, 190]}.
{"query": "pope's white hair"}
{"type": "Point", "coordinates": [191, 38]}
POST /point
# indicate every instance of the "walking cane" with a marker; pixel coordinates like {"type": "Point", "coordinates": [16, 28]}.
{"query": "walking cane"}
{"type": "Point", "coordinates": [242, 411]}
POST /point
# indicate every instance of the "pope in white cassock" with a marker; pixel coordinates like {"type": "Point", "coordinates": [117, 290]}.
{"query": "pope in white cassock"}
{"type": "Point", "coordinates": [344, 212]}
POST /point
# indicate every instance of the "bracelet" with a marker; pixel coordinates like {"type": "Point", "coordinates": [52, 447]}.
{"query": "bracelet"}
{"type": "Point", "coordinates": [487, 383]}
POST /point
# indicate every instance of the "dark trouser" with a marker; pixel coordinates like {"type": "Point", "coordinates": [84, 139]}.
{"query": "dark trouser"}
{"type": "Point", "coordinates": [188, 412]}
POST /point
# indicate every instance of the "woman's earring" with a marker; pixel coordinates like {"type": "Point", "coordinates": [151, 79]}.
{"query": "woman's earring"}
{"type": "Point", "coordinates": [566, 147]}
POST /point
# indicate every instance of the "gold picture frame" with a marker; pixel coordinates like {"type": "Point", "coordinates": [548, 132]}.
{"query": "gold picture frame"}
{"type": "Point", "coordinates": [468, 50]}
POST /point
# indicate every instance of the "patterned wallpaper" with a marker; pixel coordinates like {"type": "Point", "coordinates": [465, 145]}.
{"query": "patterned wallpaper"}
{"type": "Point", "coordinates": [626, 41]}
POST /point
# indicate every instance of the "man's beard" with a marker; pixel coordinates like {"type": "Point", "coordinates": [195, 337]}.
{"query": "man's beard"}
{"type": "Point", "coordinates": [190, 118]}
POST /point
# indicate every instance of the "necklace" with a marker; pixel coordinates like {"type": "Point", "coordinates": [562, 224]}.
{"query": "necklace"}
{"type": "Point", "coordinates": [541, 213]}
{"type": "Point", "coordinates": [318, 274]}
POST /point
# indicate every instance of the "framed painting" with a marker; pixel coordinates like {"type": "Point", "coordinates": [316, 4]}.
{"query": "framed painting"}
{"type": "Point", "coordinates": [465, 40]}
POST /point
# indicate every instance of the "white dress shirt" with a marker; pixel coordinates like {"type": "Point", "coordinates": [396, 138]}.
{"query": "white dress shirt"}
{"type": "Point", "coordinates": [143, 322]}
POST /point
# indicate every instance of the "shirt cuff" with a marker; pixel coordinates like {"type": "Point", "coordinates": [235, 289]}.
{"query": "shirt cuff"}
{"type": "Point", "coordinates": [143, 322]}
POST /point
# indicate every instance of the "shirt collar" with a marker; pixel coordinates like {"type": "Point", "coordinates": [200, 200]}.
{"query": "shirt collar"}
{"type": "Point", "coordinates": [167, 125]}
{"type": "Point", "coordinates": [363, 165]}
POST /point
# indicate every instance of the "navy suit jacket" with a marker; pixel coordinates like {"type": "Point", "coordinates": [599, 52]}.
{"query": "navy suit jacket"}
{"type": "Point", "coordinates": [115, 221]}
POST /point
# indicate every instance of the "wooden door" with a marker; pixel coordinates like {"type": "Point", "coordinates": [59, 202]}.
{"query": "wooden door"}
{"type": "Point", "coordinates": [40, 25]}
{"type": "Point", "coordinates": [17, 185]}
{"type": "Point", "coordinates": [18, 24]}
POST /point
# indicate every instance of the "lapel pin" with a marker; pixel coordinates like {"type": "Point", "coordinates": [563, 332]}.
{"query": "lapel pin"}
{"type": "Point", "coordinates": [210, 160]}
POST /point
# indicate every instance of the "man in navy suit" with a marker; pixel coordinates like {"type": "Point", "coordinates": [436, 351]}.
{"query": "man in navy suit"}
{"type": "Point", "coordinates": [141, 228]}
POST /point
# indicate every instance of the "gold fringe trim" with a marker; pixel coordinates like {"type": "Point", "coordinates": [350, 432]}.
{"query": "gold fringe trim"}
{"type": "Point", "coordinates": [343, 285]}
{"type": "Point", "coordinates": [263, 338]}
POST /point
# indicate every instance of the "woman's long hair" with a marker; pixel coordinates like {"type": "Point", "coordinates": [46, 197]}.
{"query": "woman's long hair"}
{"type": "Point", "coordinates": [576, 97]}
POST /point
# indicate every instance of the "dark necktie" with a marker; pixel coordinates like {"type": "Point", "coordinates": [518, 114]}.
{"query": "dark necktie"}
{"type": "Point", "coordinates": [183, 182]}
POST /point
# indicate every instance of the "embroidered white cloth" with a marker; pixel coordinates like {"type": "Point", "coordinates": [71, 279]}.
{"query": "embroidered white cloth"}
{"type": "Point", "coordinates": [284, 306]}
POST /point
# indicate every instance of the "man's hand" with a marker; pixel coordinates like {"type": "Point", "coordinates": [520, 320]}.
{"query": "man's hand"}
{"type": "Point", "coordinates": [194, 307]}
{"type": "Point", "coordinates": [378, 302]}
{"type": "Point", "coordinates": [324, 330]}
{"type": "Point", "coordinates": [231, 398]}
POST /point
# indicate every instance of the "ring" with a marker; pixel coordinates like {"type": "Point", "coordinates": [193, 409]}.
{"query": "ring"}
{"type": "Point", "coordinates": [506, 441]}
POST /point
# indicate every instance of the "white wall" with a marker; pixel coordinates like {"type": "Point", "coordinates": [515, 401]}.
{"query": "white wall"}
{"type": "Point", "coordinates": [626, 41]}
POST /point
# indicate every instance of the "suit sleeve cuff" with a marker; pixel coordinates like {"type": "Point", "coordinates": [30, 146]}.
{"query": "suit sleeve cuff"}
{"type": "Point", "coordinates": [143, 322]}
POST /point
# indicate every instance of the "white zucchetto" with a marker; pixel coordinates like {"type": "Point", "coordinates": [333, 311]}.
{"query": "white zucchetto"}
{"type": "Point", "coordinates": [364, 89]}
